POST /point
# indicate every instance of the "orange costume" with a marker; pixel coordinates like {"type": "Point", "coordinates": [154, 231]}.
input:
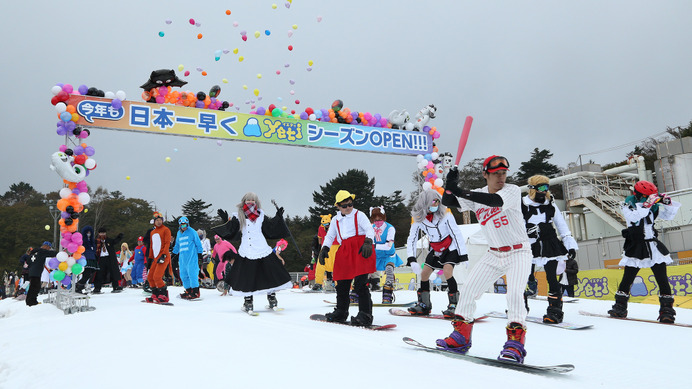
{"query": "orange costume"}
{"type": "Point", "coordinates": [159, 253]}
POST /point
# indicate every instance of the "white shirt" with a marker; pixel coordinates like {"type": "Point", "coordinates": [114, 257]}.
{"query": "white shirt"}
{"type": "Point", "coordinates": [389, 239]}
{"type": "Point", "coordinates": [635, 216]}
{"type": "Point", "coordinates": [437, 230]}
{"type": "Point", "coordinates": [253, 244]}
{"type": "Point", "coordinates": [558, 221]}
{"type": "Point", "coordinates": [502, 226]}
{"type": "Point", "coordinates": [347, 227]}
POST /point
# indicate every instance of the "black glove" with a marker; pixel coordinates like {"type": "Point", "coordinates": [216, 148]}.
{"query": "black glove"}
{"type": "Point", "coordinates": [222, 214]}
{"type": "Point", "coordinates": [366, 248]}
{"type": "Point", "coordinates": [162, 258]}
{"type": "Point", "coordinates": [571, 254]}
{"type": "Point", "coordinates": [323, 254]}
{"type": "Point", "coordinates": [410, 260]}
{"type": "Point", "coordinates": [452, 182]}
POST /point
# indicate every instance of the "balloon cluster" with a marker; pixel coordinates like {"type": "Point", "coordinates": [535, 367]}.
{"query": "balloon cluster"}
{"type": "Point", "coordinates": [78, 162]}
{"type": "Point", "coordinates": [164, 94]}
{"type": "Point", "coordinates": [430, 167]}
{"type": "Point", "coordinates": [336, 114]}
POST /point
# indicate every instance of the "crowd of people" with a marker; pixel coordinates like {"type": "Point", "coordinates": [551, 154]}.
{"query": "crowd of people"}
{"type": "Point", "coordinates": [352, 249]}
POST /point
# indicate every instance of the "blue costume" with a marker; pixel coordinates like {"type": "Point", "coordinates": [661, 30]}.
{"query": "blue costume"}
{"type": "Point", "coordinates": [138, 268]}
{"type": "Point", "coordinates": [188, 246]}
{"type": "Point", "coordinates": [385, 256]}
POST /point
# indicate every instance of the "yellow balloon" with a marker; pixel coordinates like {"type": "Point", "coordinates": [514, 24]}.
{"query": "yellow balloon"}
{"type": "Point", "coordinates": [127, 178]}
{"type": "Point", "coordinates": [310, 63]}
{"type": "Point", "coordinates": [256, 92]}
{"type": "Point", "coordinates": [235, 51]}
{"type": "Point", "coordinates": [62, 266]}
{"type": "Point", "coordinates": [273, 6]}
{"type": "Point", "coordinates": [259, 75]}
{"type": "Point", "coordinates": [238, 159]}
{"type": "Point", "coordinates": [245, 87]}
{"type": "Point", "coordinates": [181, 67]}
{"type": "Point", "coordinates": [257, 34]}
{"type": "Point", "coordinates": [241, 58]}
{"type": "Point", "coordinates": [47, 227]}
{"type": "Point", "coordinates": [86, 210]}
{"type": "Point", "coordinates": [225, 81]}
{"type": "Point", "coordinates": [295, 26]}
{"type": "Point", "coordinates": [168, 159]}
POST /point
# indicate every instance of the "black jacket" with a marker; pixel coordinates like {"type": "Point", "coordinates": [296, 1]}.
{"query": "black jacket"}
{"type": "Point", "coordinates": [37, 258]}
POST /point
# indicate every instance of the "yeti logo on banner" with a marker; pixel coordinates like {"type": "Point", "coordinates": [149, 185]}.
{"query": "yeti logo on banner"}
{"type": "Point", "coordinates": [99, 109]}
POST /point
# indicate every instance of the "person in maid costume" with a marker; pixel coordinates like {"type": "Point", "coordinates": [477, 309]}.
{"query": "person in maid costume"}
{"type": "Point", "coordinates": [354, 260]}
{"type": "Point", "coordinates": [642, 248]}
{"type": "Point", "coordinates": [540, 213]}
{"type": "Point", "coordinates": [385, 252]}
{"type": "Point", "coordinates": [256, 269]}
{"type": "Point", "coordinates": [447, 249]}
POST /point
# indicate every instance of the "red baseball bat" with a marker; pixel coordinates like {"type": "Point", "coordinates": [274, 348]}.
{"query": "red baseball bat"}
{"type": "Point", "coordinates": [464, 138]}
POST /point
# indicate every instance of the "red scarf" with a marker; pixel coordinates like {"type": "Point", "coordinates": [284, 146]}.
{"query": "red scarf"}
{"type": "Point", "coordinates": [429, 217]}
{"type": "Point", "coordinates": [250, 213]}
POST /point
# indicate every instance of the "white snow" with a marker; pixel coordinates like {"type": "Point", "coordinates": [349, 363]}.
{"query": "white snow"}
{"type": "Point", "coordinates": [211, 343]}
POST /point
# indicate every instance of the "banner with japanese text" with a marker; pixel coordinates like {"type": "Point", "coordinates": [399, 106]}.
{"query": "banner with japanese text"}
{"type": "Point", "coordinates": [184, 121]}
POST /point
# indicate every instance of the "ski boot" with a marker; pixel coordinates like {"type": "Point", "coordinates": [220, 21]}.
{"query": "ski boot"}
{"type": "Point", "coordinates": [353, 297]}
{"type": "Point", "coordinates": [620, 306]}
{"type": "Point", "coordinates": [247, 305]}
{"type": "Point", "coordinates": [186, 295]}
{"type": "Point", "coordinates": [554, 313]}
{"type": "Point", "coordinates": [451, 308]}
{"type": "Point", "coordinates": [531, 288]}
{"type": "Point", "coordinates": [317, 287]}
{"type": "Point", "coordinates": [387, 294]}
{"type": "Point", "coordinates": [459, 341]}
{"type": "Point", "coordinates": [163, 295]}
{"type": "Point", "coordinates": [271, 297]}
{"type": "Point", "coordinates": [154, 298]}
{"type": "Point", "coordinates": [363, 319]}
{"type": "Point", "coordinates": [667, 313]}
{"type": "Point", "coordinates": [338, 316]}
{"type": "Point", "coordinates": [513, 350]}
{"type": "Point", "coordinates": [423, 306]}
{"type": "Point", "coordinates": [374, 284]}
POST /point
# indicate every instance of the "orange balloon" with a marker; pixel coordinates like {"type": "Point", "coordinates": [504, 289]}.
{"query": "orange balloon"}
{"type": "Point", "coordinates": [62, 204]}
{"type": "Point", "coordinates": [441, 191]}
{"type": "Point", "coordinates": [204, 73]}
{"type": "Point", "coordinates": [199, 36]}
{"type": "Point", "coordinates": [71, 109]}
{"type": "Point", "coordinates": [334, 120]}
{"type": "Point", "coordinates": [76, 256]}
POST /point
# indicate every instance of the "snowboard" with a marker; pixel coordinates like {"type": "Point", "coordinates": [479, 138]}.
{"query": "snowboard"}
{"type": "Point", "coordinates": [310, 291]}
{"type": "Point", "coordinates": [536, 369]}
{"type": "Point", "coordinates": [634, 319]}
{"type": "Point", "coordinates": [380, 305]}
{"type": "Point", "coordinates": [275, 309]}
{"type": "Point", "coordinates": [145, 301]}
{"type": "Point", "coordinates": [564, 299]}
{"type": "Point", "coordinates": [374, 327]}
{"type": "Point", "coordinates": [251, 313]}
{"type": "Point", "coordinates": [401, 312]}
{"type": "Point", "coordinates": [539, 320]}
{"type": "Point", "coordinates": [180, 298]}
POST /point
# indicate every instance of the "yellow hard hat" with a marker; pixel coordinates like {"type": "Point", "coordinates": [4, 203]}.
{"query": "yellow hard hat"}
{"type": "Point", "coordinates": [343, 195]}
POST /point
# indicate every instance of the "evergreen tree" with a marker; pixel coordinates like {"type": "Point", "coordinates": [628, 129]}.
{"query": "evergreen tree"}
{"type": "Point", "coordinates": [21, 193]}
{"type": "Point", "coordinates": [354, 181]}
{"type": "Point", "coordinates": [196, 211]}
{"type": "Point", "coordinates": [537, 164]}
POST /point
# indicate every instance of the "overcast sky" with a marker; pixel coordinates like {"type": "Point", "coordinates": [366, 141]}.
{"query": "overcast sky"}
{"type": "Point", "coordinates": [573, 77]}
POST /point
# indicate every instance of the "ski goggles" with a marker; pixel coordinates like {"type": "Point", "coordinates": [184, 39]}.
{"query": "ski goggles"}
{"type": "Point", "coordinates": [540, 187]}
{"type": "Point", "coordinates": [495, 164]}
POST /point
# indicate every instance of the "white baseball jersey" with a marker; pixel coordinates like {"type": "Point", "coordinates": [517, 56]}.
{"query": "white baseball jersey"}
{"type": "Point", "coordinates": [502, 226]}
{"type": "Point", "coordinates": [437, 230]}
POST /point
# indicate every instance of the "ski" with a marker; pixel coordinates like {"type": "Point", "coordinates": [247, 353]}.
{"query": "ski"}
{"type": "Point", "coordinates": [493, 362]}
{"type": "Point", "coordinates": [401, 312]}
{"type": "Point", "coordinates": [381, 305]}
{"type": "Point", "coordinates": [145, 301]}
{"type": "Point", "coordinates": [374, 327]}
{"type": "Point", "coordinates": [539, 320]}
{"type": "Point", "coordinates": [634, 319]}
{"type": "Point", "coordinates": [564, 299]}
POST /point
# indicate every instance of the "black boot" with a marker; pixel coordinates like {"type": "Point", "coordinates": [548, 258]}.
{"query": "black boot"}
{"type": "Point", "coordinates": [374, 284]}
{"type": "Point", "coordinates": [247, 304]}
{"type": "Point", "coordinates": [387, 294]}
{"type": "Point", "coordinates": [363, 319]}
{"type": "Point", "coordinates": [620, 306]}
{"type": "Point", "coordinates": [424, 305]}
{"type": "Point", "coordinates": [337, 316]}
{"type": "Point", "coordinates": [453, 301]}
{"type": "Point", "coordinates": [195, 293]}
{"type": "Point", "coordinates": [554, 314]}
{"type": "Point", "coordinates": [667, 313]}
{"type": "Point", "coordinates": [271, 297]}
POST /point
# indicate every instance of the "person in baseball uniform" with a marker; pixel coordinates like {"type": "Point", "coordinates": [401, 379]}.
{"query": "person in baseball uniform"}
{"type": "Point", "coordinates": [498, 209]}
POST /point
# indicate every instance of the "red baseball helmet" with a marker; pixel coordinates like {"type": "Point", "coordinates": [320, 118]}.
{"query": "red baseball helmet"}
{"type": "Point", "coordinates": [645, 187]}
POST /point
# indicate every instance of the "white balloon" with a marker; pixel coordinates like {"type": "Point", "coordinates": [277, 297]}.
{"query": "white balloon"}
{"type": "Point", "coordinates": [408, 126]}
{"type": "Point", "coordinates": [419, 157]}
{"type": "Point", "coordinates": [90, 163]}
{"type": "Point", "coordinates": [65, 192]}
{"type": "Point", "coordinates": [438, 182]}
{"type": "Point", "coordinates": [120, 95]}
{"type": "Point", "coordinates": [312, 117]}
{"type": "Point", "coordinates": [70, 261]}
{"type": "Point", "coordinates": [427, 185]}
{"type": "Point", "coordinates": [55, 90]}
{"type": "Point", "coordinates": [434, 156]}
{"type": "Point", "coordinates": [433, 276]}
{"type": "Point", "coordinates": [60, 107]}
{"type": "Point", "coordinates": [84, 198]}
{"type": "Point", "coordinates": [110, 95]}
{"type": "Point", "coordinates": [62, 256]}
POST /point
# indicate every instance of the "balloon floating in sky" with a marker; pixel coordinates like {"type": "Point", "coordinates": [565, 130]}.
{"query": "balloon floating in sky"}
{"type": "Point", "coordinates": [259, 75]}
{"type": "Point", "coordinates": [127, 178]}
{"type": "Point", "coordinates": [218, 142]}
{"type": "Point", "coordinates": [228, 12]}
{"type": "Point", "coordinates": [319, 19]}
{"type": "Point", "coordinates": [187, 73]}
{"type": "Point", "coordinates": [310, 63]}
{"type": "Point", "coordinates": [256, 92]}
{"type": "Point", "coordinates": [168, 159]}
{"type": "Point", "coordinates": [241, 58]}
{"type": "Point", "coordinates": [199, 36]}
{"type": "Point", "coordinates": [290, 33]}
{"type": "Point", "coordinates": [295, 26]}
{"type": "Point", "coordinates": [235, 51]}
{"type": "Point", "coordinates": [47, 227]}
{"type": "Point", "coordinates": [267, 32]}
{"type": "Point", "coordinates": [192, 21]}
{"type": "Point", "coordinates": [257, 34]}
{"type": "Point", "coordinates": [278, 72]}
{"type": "Point", "coordinates": [244, 37]}
{"type": "Point", "coordinates": [290, 47]}
{"type": "Point", "coordinates": [238, 159]}
{"type": "Point", "coordinates": [161, 34]}
{"type": "Point", "coordinates": [274, 6]}
{"type": "Point", "coordinates": [181, 67]}
{"type": "Point", "coordinates": [169, 21]}
{"type": "Point", "coordinates": [224, 80]}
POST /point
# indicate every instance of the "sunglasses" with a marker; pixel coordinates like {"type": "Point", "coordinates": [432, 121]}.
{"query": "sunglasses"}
{"type": "Point", "coordinates": [497, 163]}
{"type": "Point", "coordinates": [540, 187]}
{"type": "Point", "coordinates": [344, 206]}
